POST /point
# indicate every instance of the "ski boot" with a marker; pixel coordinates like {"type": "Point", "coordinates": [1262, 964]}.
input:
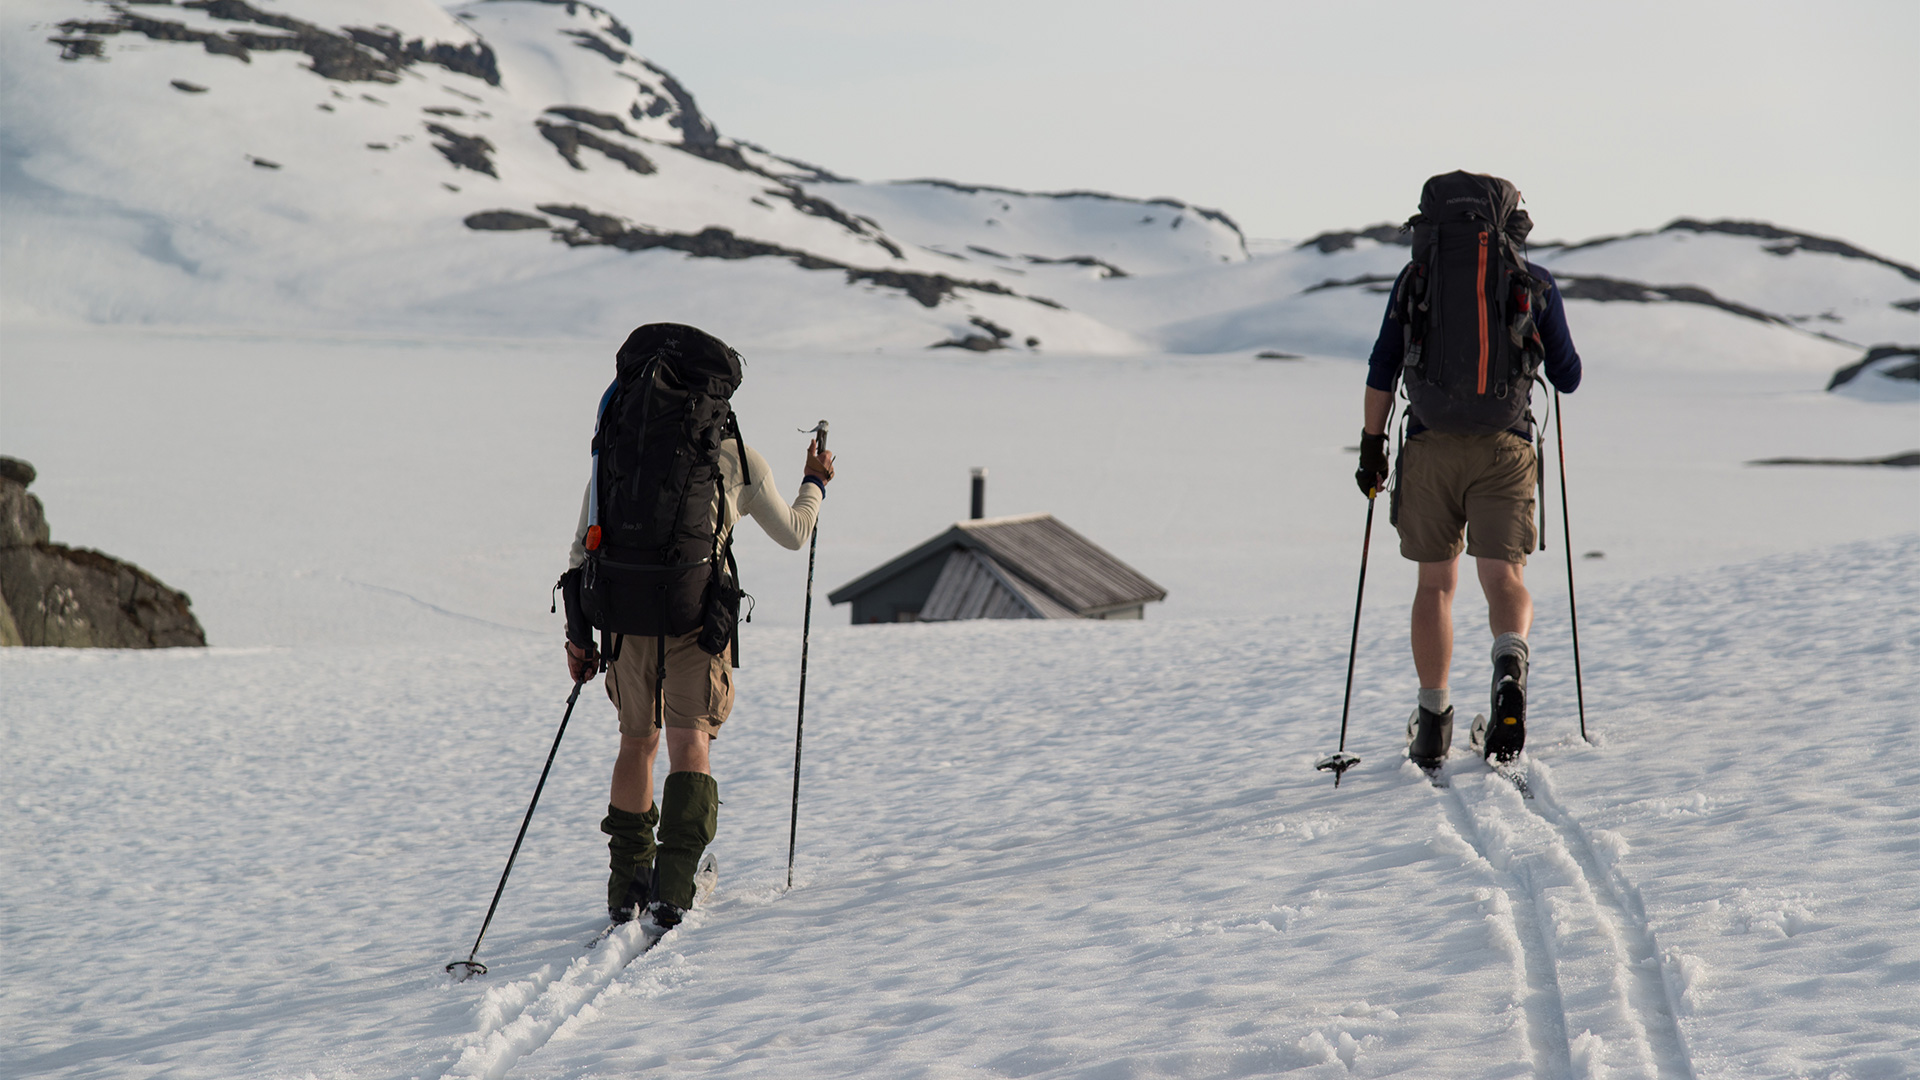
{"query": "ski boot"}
{"type": "Point", "coordinates": [1429, 734]}
{"type": "Point", "coordinates": [634, 903]}
{"type": "Point", "coordinates": [664, 915]}
{"type": "Point", "coordinates": [1505, 730]}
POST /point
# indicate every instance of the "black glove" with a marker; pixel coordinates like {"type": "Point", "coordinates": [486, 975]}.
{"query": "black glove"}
{"type": "Point", "coordinates": [582, 664]}
{"type": "Point", "coordinates": [1372, 474]}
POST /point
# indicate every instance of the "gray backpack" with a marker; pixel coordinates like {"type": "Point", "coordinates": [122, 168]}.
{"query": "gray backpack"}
{"type": "Point", "coordinates": [1466, 304]}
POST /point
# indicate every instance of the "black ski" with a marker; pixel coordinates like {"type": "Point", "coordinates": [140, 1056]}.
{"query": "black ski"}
{"type": "Point", "coordinates": [1515, 774]}
{"type": "Point", "coordinates": [1511, 770]}
{"type": "Point", "coordinates": [704, 881]}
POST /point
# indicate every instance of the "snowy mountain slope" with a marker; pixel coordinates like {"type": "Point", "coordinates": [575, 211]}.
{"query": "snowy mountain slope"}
{"type": "Point", "coordinates": [521, 167]}
{"type": "Point", "coordinates": [1688, 287]}
{"type": "Point", "coordinates": [220, 163]}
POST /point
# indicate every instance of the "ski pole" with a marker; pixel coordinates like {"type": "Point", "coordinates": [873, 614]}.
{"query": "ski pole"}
{"type": "Point", "coordinates": [806, 631]}
{"type": "Point", "coordinates": [471, 967]}
{"type": "Point", "coordinates": [1566, 530]}
{"type": "Point", "coordinates": [1340, 762]}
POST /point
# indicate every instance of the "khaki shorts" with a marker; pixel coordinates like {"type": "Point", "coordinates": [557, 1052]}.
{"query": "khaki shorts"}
{"type": "Point", "coordinates": [1482, 483]}
{"type": "Point", "coordinates": [699, 686]}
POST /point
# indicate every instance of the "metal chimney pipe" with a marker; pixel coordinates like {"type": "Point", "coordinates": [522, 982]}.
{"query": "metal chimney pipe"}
{"type": "Point", "coordinates": [979, 494]}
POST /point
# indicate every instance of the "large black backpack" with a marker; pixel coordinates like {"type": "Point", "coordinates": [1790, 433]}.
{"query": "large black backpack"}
{"type": "Point", "coordinates": [1466, 305]}
{"type": "Point", "coordinates": [657, 564]}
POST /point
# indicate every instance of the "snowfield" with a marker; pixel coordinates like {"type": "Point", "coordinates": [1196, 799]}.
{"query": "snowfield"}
{"type": "Point", "coordinates": [314, 330]}
{"type": "Point", "coordinates": [1050, 850]}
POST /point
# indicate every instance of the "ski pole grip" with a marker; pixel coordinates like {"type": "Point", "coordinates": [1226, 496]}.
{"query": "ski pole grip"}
{"type": "Point", "coordinates": [820, 436]}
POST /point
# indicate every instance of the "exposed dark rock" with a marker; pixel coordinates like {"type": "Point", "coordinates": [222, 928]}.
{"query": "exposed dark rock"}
{"type": "Point", "coordinates": [1908, 460]}
{"type": "Point", "coordinates": [1108, 270]}
{"type": "Point", "coordinates": [604, 121]}
{"type": "Point", "coordinates": [1000, 333]}
{"type": "Point", "coordinates": [1033, 342]}
{"type": "Point", "coordinates": [358, 55]}
{"type": "Point", "coordinates": [974, 342]}
{"type": "Point", "coordinates": [591, 228]}
{"type": "Point", "coordinates": [186, 87]}
{"type": "Point", "coordinates": [930, 289]}
{"type": "Point", "coordinates": [80, 48]}
{"type": "Point", "coordinates": [1376, 283]}
{"type": "Point", "coordinates": [988, 252]}
{"type": "Point", "coordinates": [1790, 241]}
{"type": "Point", "coordinates": [568, 139]}
{"type": "Point", "coordinates": [587, 39]}
{"type": "Point", "coordinates": [1908, 305]}
{"type": "Point", "coordinates": [443, 110]}
{"type": "Point", "coordinates": [809, 172]}
{"type": "Point", "coordinates": [1588, 287]}
{"type": "Point", "coordinates": [1330, 242]}
{"type": "Point", "coordinates": [465, 151]}
{"type": "Point", "coordinates": [695, 128]}
{"type": "Point", "coordinates": [51, 594]}
{"type": "Point", "coordinates": [263, 163]}
{"type": "Point", "coordinates": [1270, 354]}
{"type": "Point", "coordinates": [995, 338]}
{"type": "Point", "coordinates": [504, 221]}
{"type": "Point", "coordinates": [821, 208]}
{"type": "Point", "coordinates": [1908, 370]}
{"type": "Point", "coordinates": [723, 154]}
{"type": "Point", "coordinates": [599, 226]}
{"type": "Point", "coordinates": [18, 471]}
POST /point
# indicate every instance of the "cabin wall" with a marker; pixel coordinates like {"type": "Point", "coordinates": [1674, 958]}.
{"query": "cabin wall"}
{"type": "Point", "coordinates": [903, 594]}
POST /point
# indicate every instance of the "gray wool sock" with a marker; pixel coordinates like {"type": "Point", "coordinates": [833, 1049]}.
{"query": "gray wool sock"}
{"type": "Point", "coordinates": [1436, 702]}
{"type": "Point", "coordinates": [1510, 644]}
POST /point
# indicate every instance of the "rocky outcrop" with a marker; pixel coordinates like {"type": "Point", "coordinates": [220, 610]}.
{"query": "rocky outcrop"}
{"type": "Point", "coordinates": [357, 55]}
{"type": "Point", "coordinates": [1889, 361]}
{"type": "Point", "coordinates": [51, 594]}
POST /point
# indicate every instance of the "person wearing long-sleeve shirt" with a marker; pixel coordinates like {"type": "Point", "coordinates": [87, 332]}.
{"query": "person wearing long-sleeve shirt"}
{"type": "Point", "coordinates": [672, 689]}
{"type": "Point", "coordinates": [1471, 492]}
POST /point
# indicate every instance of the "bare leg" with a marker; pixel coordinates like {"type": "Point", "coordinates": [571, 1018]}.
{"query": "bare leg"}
{"type": "Point", "coordinates": [1433, 622]}
{"type": "Point", "coordinates": [1509, 605]}
{"type": "Point", "coordinates": [633, 773]}
{"type": "Point", "coordinates": [687, 751]}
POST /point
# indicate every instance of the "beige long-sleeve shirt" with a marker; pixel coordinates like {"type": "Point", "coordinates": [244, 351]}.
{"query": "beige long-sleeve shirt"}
{"type": "Point", "coordinates": [790, 526]}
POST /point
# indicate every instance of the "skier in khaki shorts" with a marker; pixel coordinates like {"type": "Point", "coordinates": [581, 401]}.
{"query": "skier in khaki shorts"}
{"type": "Point", "coordinates": [1469, 326]}
{"type": "Point", "coordinates": [652, 551]}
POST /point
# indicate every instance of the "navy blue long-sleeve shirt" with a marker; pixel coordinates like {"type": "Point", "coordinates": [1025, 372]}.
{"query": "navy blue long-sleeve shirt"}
{"type": "Point", "coordinates": [1562, 362]}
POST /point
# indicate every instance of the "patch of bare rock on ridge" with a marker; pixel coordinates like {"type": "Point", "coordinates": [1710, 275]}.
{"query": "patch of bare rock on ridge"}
{"type": "Point", "coordinates": [357, 55]}
{"type": "Point", "coordinates": [51, 594]}
{"type": "Point", "coordinates": [590, 229]}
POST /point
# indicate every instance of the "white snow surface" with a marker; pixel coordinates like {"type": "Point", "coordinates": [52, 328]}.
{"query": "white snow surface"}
{"type": "Point", "coordinates": [1071, 849]}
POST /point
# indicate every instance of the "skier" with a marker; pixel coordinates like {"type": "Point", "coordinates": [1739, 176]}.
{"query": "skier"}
{"type": "Point", "coordinates": [1469, 324]}
{"type": "Point", "coordinates": [657, 876]}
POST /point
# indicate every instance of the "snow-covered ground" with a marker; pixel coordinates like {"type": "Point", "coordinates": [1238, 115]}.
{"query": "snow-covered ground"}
{"type": "Point", "coordinates": [1051, 850]}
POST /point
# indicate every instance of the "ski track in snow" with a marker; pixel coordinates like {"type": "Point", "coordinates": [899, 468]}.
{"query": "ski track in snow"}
{"type": "Point", "coordinates": [1589, 961]}
{"type": "Point", "coordinates": [520, 1017]}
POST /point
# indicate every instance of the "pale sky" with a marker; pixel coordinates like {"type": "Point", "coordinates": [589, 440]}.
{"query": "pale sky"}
{"type": "Point", "coordinates": [1297, 117]}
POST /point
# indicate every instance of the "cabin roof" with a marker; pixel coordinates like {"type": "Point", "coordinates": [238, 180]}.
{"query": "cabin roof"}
{"type": "Point", "coordinates": [1041, 553]}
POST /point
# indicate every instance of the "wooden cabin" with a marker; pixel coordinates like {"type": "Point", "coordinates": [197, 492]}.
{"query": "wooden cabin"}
{"type": "Point", "coordinates": [1027, 567]}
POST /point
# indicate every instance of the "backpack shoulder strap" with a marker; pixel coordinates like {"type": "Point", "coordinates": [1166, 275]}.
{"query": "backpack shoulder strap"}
{"type": "Point", "coordinates": [739, 444]}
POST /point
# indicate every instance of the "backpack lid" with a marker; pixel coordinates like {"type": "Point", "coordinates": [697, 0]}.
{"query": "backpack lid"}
{"type": "Point", "coordinates": [1462, 196]}
{"type": "Point", "coordinates": [698, 360]}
